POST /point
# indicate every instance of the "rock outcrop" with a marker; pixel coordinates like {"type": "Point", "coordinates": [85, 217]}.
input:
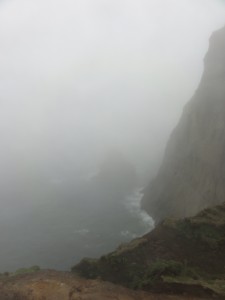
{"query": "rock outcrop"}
{"type": "Point", "coordinates": [192, 175]}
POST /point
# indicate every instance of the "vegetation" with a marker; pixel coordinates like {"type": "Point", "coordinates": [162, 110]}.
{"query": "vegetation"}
{"type": "Point", "coordinates": [208, 227]}
{"type": "Point", "coordinates": [87, 268]}
{"type": "Point", "coordinates": [22, 271]}
{"type": "Point", "coordinates": [32, 269]}
{"type": "Point", "coordinates": [164, 257]}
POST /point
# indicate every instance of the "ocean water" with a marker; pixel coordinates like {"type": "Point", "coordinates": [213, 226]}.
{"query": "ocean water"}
{"type": "Point", "coordinates": [88, 222]}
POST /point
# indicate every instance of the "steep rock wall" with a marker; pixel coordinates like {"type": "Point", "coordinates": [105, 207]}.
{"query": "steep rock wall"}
{"type": "Point", "coordinates": [192, 175]}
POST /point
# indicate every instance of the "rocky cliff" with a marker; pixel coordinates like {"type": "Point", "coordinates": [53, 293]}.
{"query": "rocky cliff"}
{"type": "Point", "coordinates": [192, 175]}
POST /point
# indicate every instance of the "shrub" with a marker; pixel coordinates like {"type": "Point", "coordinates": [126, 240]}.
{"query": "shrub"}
{"type": "Point", "coordinates": [164, 267]}
{"type": "Point", "coordinates": [87, 268]}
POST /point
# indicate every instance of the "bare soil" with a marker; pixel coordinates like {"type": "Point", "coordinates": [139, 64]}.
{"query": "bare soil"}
{"type": "Point", "coordinates": [53, 285]}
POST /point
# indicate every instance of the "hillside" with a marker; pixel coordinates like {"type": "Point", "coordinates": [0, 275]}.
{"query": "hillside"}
{"type": "Point", "coordinates": [178, 256]}
{"type": "Point", "coordinates": [192, 174]}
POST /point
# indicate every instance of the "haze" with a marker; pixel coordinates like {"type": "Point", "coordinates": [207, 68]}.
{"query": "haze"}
{"type": "Point", "coordinates": [81, 77]}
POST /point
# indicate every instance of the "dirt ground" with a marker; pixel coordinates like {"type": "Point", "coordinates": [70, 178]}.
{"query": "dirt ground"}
{"type": "Point", "coordinates": [52, 285]}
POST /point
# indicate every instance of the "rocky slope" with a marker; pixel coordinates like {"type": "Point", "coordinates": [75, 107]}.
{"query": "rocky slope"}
{"type": "Point", "coordinates": [192, 174]}
{"type": "Point", "coordinates": [177, 257]}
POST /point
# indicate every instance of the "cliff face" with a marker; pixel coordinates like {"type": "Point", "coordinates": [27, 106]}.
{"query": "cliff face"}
{"type": "Point", "coordinates": [192, 175]}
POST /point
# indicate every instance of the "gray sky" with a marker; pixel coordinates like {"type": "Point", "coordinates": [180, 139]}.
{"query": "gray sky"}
{"type": "Point", "coordinates": [81, 76]}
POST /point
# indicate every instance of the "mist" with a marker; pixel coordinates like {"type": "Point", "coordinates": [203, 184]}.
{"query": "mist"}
{"type": "Point", "coordinates": [79, 80]}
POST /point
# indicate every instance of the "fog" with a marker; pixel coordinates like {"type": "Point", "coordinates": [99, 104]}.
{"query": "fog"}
{"type": "Point", "coordinates": [80, 79]}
